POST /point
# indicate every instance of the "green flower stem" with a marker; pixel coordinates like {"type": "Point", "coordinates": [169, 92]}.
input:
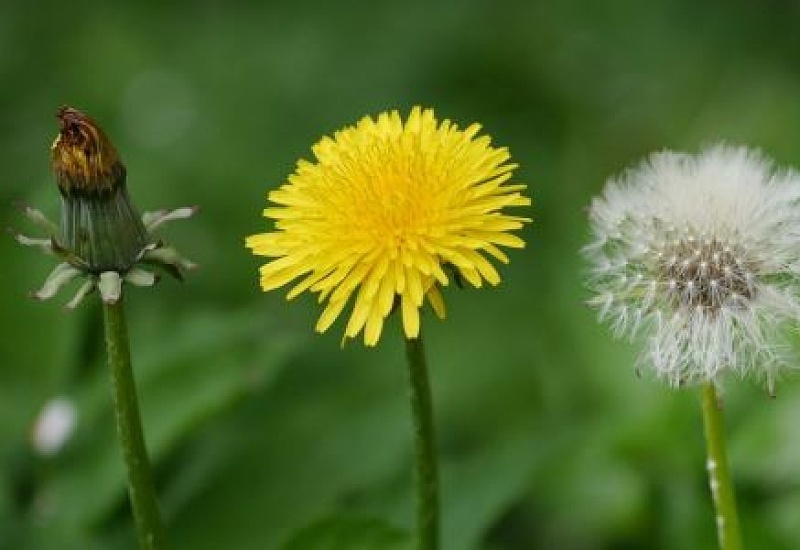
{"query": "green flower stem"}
{"type": "Point", "coordinates": [719, 475]}
{"type": "Point", "coordinates": [426, 475]}
{"type": "Point", "coordinates": [152, 535]}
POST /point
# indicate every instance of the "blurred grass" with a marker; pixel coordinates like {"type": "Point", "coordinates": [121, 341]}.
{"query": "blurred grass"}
{"type": "Point", "coordinates": [265, 434]}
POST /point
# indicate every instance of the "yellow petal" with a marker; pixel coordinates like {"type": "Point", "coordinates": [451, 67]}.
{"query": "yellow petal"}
{"type": "Point", "coordinates": [359, 316]}
{"type": "Point", "coordinates": [329, 315]}
{"type": "Point", "coordinates": [480, 263]}
{"type": "Point", "coordinates": [386, 293]}
{"type": "Point", "coordinates": [374, 326]}
{"type": "Point", "coordinates": [436, 301]}
{"type": "Point", "coordinates": [414, 288]}
{"type": "Point", "coordinates": [472, 276]}
{"type": "Point", "coordinates": [304, 285]}
{"type": "Point", "coordinates": [273, 280]}
{"type": "Point", "coordinates": [410, 317]}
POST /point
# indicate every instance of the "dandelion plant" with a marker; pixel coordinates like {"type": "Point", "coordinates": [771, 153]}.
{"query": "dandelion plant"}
{"type": "Point", "coordinates": [700, 256]}
{"type": "Point", "coordinates": [103, 241]}
{"type": "Point", "coordinates": [391, 211]}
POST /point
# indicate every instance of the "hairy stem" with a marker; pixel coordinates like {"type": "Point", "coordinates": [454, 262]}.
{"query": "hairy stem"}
{"type": "Point", "coordinates": [426, 475]}
{"type": "Point", "coordinates": [141, 490]}
{"type": "Point", "coordinates": [719, 476]}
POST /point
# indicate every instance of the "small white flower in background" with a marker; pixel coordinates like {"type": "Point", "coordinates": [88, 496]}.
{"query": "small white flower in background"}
{"type": "Point", "coordinates": [54, 426]}
{"type": "Point", "coordinates": [700, 254]}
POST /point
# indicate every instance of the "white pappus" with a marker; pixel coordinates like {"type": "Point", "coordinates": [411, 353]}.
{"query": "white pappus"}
{"type": "Point", "coordinates": [700, 254]}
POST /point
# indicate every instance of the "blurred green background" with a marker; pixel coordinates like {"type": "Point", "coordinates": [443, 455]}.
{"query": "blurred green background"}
{"type": "Point", "coordinates": [266, 435]}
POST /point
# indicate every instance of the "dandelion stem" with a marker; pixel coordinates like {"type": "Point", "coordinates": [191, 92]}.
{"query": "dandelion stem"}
{"type": "Point", "coordinates": [719, 475]}
{"type": "Point", "coordinates": [149, 526]}
{"type": "Point", "coordinates": [426, 475]}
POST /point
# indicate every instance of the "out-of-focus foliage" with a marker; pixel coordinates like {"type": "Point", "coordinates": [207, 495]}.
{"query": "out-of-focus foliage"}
{"type": "Point", "coordinates": [267, 436]}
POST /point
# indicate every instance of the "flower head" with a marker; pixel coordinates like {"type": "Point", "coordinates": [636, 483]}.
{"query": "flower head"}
{"type": "Point", "coordinates": [390, 211]}
{"type": "Point", "coordinates": [703, 254]}
{"type": "Point", "coordinates": [99, 223]}
{"type": "Point", "coordinates": [101, 235]}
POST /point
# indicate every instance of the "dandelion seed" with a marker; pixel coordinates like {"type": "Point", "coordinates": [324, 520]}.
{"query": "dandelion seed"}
{"type": "Point", "coordinates": [728, 280]}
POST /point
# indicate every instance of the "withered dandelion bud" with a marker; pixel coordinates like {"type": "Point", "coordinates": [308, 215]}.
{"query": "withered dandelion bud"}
{"type": "Point", "coordinates": [102, 235]}
{"type": "Point", "coordinates": [99, 223]}
{"type": "Point", "coordinates": [84, 160]}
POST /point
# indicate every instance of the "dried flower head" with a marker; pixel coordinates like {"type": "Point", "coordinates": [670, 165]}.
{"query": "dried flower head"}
{"type": "Point", "coordinates": [388, 208]}
{"type": "Point", "coordinates": [84, 160]}
{"type": "Point", "coordinates": [99, 223]}
{"type": "Point", "coordinates": [703, 254]}
{"type": "Point", "coordinates": [101, 236]}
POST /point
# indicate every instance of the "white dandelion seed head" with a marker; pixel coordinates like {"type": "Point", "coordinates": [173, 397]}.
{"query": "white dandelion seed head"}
{"type": "Point", "coordinates": [700, 253]}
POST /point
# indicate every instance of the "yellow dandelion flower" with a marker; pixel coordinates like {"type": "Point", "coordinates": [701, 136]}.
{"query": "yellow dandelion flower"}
{"type": "Point", "coordinates": [384, 213]}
